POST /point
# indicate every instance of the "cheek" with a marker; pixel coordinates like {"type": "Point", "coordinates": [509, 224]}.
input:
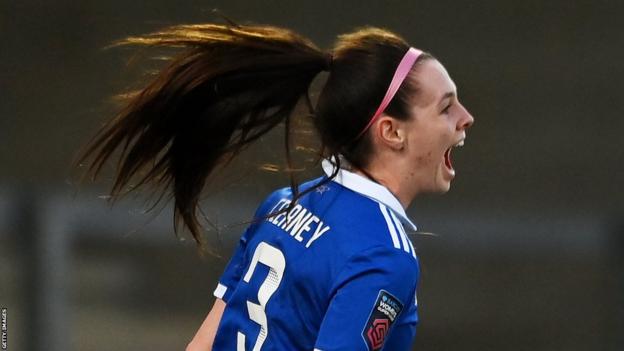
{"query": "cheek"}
{"type": "Point", "coordinates": [423, 153]}
{"type": "Point", "coordinates": [427, 143]}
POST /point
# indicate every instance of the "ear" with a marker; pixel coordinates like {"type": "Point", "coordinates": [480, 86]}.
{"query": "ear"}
{"type": "Point", "coordinates": [390, 132]}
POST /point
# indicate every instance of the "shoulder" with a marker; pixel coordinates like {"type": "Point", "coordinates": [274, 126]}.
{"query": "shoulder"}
{"type": "Point", "coordinates": [382, 257]}
{"type": "Point", "coordinates": [364, 223]}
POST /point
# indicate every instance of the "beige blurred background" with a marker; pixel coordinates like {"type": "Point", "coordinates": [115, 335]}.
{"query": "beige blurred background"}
{"type": "Point", "coordinates": [528, 247]}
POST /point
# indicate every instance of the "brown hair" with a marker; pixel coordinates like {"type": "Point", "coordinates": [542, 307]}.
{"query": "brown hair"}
{"type": "Point", "coordinates": [231, 84]}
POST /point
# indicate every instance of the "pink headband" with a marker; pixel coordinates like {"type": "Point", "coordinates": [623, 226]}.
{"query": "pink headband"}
{"type": "Point", "coordinates": [399, 76]}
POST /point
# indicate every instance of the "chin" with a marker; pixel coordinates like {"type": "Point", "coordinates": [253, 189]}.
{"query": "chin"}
{"type": "Point", "coordinates": [443, 188]}
{"type": "Point", "coordinates": [438, 189]}
{"type": "Point", "coordinates": [444, 191]}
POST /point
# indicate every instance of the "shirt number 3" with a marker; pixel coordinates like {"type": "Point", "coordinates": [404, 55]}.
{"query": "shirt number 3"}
{"type": "Point", "coordinates": [274, 259]}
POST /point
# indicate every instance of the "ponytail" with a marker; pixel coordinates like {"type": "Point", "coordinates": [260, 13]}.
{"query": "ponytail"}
{"type": "Point", "coordinates": [228, 86]}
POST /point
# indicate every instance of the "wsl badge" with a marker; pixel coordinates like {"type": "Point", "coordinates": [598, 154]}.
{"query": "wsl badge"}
{"type": "Point", "coordinates": [385, 311]}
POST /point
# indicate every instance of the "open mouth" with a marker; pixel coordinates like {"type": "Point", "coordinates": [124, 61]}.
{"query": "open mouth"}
{"type": "Point", "coordinates": [447, 155]}
{"type": "Point", "coordinates": [447, 158]}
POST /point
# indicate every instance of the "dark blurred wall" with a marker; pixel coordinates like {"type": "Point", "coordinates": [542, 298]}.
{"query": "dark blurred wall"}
{"type": "Point", "coordinates": [526, 256]}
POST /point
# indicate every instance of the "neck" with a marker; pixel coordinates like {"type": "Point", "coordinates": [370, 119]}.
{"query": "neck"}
{"type": "Point", "coordinates": [385, 177]}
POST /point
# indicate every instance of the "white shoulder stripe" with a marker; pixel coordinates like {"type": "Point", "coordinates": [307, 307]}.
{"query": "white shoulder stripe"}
{"type": "Point", "coordinates": [393, 233]}
{"type": "Point", "coordinates": [399, 226]}
{"type": "Point", "coordinates": [412, 247]}
{"type": "Point", "coordinates": [404, 235]}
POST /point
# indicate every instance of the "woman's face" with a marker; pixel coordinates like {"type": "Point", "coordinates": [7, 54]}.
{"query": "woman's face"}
{"type": "Point", "coordinates": [438, 123]}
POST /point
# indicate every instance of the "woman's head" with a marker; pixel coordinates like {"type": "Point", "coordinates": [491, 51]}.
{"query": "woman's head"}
{"type": "Point", "coordinates": [412, 156]}
{"type": "Point", "coordinates": [408, 147]}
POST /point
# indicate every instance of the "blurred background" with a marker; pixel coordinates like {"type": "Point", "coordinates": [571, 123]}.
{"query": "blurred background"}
{"type": "Point", "coordinates": [527, 251]}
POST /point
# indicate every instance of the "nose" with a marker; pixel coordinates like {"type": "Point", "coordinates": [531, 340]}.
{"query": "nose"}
{"type": "Point", "coordinates": [466, 120]}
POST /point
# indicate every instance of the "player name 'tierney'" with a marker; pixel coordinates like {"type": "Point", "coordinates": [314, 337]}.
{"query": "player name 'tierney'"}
{"type": "Point", "coordinates": [298, 222]}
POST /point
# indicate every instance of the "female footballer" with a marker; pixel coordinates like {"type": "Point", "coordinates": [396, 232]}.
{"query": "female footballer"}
{"type": "Point", "coordinates": [324, 265]}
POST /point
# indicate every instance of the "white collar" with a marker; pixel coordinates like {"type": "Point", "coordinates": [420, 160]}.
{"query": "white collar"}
{"type": "Point", "coordinates": [368, 188]}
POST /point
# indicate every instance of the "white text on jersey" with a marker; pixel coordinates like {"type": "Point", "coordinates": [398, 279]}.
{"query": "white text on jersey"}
{"type": "Point", "coordinates": [298, 222]}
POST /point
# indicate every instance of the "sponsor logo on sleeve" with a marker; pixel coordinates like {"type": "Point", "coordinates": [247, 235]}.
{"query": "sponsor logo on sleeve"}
{"type": "Point", "coordinates": [385, 311]}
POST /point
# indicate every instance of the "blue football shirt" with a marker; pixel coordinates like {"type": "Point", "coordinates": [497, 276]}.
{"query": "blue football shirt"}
{"type": "Point", "coordinates": [337, 272]}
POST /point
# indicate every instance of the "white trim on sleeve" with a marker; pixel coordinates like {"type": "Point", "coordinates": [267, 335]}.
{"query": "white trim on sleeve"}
{"type": "Point", "coordinates": [220, 291]}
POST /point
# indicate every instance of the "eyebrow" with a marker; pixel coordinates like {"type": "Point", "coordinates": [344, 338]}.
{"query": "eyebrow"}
{"type": "Point", "coordinates": [447, 95]}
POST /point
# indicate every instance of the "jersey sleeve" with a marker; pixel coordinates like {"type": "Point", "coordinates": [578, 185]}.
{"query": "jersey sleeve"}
{"type": "Point", "coordinates": [373, 303]}
{"type": "Point", "coordinates": [234, 269]}
{"type": "Point", "coordinates": [404, 331]}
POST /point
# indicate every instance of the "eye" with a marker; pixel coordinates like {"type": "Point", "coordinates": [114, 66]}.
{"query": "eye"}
{"type": "Point", "coordinates": [446, 109]}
